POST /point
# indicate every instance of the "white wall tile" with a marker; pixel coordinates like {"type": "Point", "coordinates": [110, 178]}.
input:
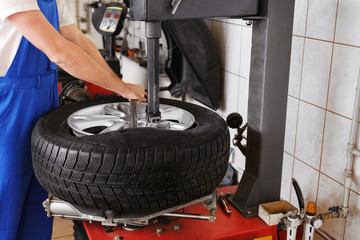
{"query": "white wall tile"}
{"type": "Point", "coordinates": [291, 124]}
{"type": "Point", "coordinates": [243, 98]}
{"type": "Point", "coordinates": [245, 52]}
{"type": "Point", "coordinates": [296, 63]}
{"type": "Point", "coordinates": [352, 230]}
{"type": "Point", "coordinates": [321, 19]}
{"type": "Point", "coordinates": [307, 178]}
{"type": "Point", "coordinates": [348, 22]}
{"type": "Point", "coordinates": [344, 75]}
{"type": "Point", "coordinates": [336, 137]}
{"type": "Point", "coordinates": [316, 72]}
{"type": "Point", "coordinates": [300, 17]}
{"type": "Point", "coordinates": [287, 173]}
{"type": "Point", "coordinates": [309, 134]}
{"type": "Point", "coordinates": [230, 94]}
{"type": "Point", "coordinates": [233, 48]}
{"type": "Point", "coordinates": [329, 195]}
{"type": "Point", "coordinates": [219, 32]}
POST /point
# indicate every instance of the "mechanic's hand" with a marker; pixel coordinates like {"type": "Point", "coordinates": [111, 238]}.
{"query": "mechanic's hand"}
{"type": "Point", "coordinates": [134, 91]}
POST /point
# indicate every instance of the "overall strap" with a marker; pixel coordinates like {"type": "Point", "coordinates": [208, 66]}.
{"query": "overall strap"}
{"type": "Point", "coordinates": [30, 61]}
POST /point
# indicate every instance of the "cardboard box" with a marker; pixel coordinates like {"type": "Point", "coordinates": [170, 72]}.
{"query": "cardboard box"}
{"type": "Point", "coordinates": [271, 213]}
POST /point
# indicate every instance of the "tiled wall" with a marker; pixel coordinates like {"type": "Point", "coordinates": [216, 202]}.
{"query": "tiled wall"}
{"type": "Point", "coordinates": [325, 64]}
{"type": "Point", "coordinates": [233, 38]}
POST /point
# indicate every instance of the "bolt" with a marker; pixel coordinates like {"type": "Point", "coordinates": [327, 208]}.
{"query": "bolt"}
{"type": "Point", "coordinates": [118, 237]}
{"type": "Point", "coordinates": [159, 230]}
{"type": "Point", "coordinates": [176, 228]}
{"type": "Point", "coordinates": [248, 22]}
{"type": "Point", "coordinates": [248, 212]}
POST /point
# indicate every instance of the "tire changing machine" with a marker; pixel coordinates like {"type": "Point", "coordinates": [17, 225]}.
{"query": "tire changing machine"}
{"type": "Point", "coordinates": [268, 89]}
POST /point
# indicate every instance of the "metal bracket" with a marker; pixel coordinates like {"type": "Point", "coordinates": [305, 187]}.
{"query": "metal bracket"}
{"type": "Point", "coordinates": [211, 204]}
{"type": "Point", "coordinates": [59, 208]}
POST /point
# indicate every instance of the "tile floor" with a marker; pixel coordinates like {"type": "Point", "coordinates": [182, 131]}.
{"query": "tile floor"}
{"type": "Point", "coordinates": [62, 229]}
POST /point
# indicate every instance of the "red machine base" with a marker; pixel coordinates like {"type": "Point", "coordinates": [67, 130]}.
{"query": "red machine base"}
{"type": "Point", "coordinates": [227, 226]}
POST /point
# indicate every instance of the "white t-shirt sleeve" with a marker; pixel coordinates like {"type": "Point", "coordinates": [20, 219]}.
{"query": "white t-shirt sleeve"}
{"type": "Point", "coordinates": [8, 7]}
{"type": "Point", "coordinates": [65, 17]}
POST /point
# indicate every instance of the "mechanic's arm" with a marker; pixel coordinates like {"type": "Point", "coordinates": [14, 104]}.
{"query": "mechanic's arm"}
{"type": "Point", "coordinates": [74, 35]}
{"type": "Point", "coordinates": [35, 27]}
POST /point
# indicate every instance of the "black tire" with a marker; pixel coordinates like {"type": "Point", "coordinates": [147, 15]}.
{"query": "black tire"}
{"type": "Point", "coordinates": [139, 170]}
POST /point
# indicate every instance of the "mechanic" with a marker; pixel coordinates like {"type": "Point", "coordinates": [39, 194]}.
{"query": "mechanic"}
{"type": "Point", "coordinates": [35, 37]}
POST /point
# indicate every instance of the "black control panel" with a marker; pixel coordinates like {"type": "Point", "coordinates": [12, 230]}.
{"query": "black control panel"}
{"type": "Point", "coordinates": [109, 19]}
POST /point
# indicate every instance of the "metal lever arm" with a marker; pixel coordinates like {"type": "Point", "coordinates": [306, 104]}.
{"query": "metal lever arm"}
{"type": "Point", "coordinates": [191, 215]}
{"type": "Point", "coordinates": [153, 34]}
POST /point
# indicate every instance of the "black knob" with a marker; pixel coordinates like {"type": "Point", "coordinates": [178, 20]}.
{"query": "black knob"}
{"type": "Point", "coordinates": [234, 120]}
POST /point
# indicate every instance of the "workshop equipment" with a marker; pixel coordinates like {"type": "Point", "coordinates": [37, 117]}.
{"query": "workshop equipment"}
{"type": "Point", "coordinates": [270, 61]}
{"type": "Point", "coordinates": [271, 47]}
{"type": "Point", "coordinates": [269, 74]}
{"type": "Point", "coordinates": [107, 20]}
{"type": "Point", "coordinates": [226, 227]}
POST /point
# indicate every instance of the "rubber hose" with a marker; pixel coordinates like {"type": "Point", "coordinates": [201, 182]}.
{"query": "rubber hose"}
{"type": "Point", "coordinates": [299, 194]}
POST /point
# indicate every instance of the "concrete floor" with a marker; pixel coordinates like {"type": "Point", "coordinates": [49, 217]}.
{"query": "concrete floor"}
{"type": "Point", "coordinates": [62, 229]}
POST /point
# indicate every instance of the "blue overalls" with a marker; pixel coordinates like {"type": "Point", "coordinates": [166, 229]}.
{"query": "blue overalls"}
{"type": "Point", "coordinates": [28, 91]}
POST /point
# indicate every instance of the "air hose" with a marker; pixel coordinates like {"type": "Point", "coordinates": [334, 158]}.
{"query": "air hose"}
{"type": "Point", "coordinates": [299, 195]}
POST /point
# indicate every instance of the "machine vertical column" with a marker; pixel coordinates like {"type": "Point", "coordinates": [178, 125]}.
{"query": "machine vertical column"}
{"type": "Point", "coordinates": [153, 34]}
{"type": "Point", "coordinates": [268, 92]}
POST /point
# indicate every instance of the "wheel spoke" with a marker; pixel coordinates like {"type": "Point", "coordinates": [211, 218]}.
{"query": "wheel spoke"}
{"type": "Point", "coordinates": [115, 127]}
{"type": "Point", "coordinates": [172, 113]}
{"type": "Point", "coordinates": [113, 110]}
{"type": "Point", "coordinates": [177, 117]}
{"type": "Point", "coordinates": [88, 121]}
{"type": "Point", "coordinates": [176, 126]}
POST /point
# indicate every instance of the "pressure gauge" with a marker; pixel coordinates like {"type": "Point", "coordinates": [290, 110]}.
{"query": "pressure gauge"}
{"type": "Point", "coordinates": [317, 223]}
